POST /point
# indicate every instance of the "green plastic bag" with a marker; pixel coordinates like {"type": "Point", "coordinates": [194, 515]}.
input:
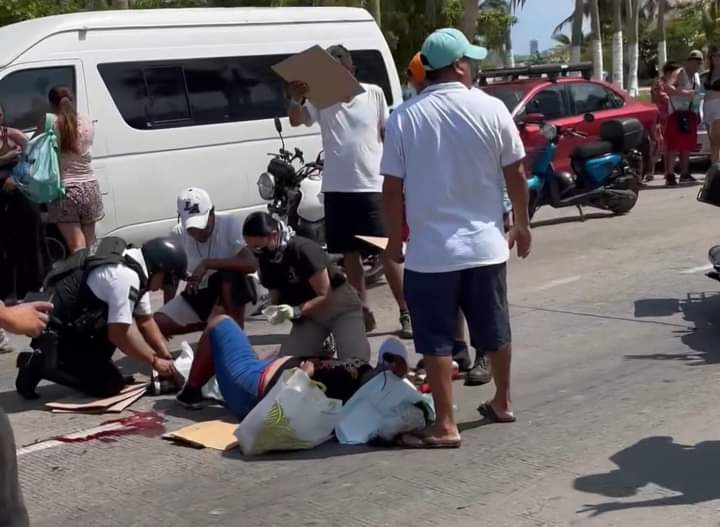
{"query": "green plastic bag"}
{"type": "Point", "coordinates": [37, 173]}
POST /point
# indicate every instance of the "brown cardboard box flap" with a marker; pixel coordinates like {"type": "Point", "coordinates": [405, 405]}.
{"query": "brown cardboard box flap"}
{"type": "Point", "coordinates": [328, 82]}
{"type": "Point", "coordinates": [100, 404]}
{"type": "Point", "coordinates": [218, 434]}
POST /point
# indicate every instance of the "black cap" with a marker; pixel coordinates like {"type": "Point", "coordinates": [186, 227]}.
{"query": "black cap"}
{"type": "Point", "coordinates": [341, 54]}
{"type": "Point", "coordinates": [164, 255]}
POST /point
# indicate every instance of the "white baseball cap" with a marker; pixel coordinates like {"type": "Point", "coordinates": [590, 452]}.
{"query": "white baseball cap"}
{"type": "Point", "coordinates": [193, 207]}
{"type": "Point", "coordinates": [393, 346]}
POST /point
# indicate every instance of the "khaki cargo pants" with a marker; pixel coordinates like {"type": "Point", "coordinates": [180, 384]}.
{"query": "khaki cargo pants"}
{"type": "Point", "coordinates": [342, 318]}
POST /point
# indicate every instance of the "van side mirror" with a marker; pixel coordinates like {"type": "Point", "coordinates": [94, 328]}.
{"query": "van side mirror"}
{"type": "Point", "coordinates": [278, 125]}
{"type": "Point", "coordinates": [588, 118]}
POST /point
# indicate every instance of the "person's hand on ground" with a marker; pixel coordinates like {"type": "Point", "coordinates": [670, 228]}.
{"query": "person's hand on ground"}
{"type": "Point", "coordinates": [164, 367]}
{"type": "Point", "coordinates": [27, 319]}
{"type": "Point", "coordinates": [297, 90]}
{"type": "Point", "coordinates": [281, 313]}
{"type": "Point", "coordinates": [195, 279]}
{"type": "Point", "coordinates": [522, 237]}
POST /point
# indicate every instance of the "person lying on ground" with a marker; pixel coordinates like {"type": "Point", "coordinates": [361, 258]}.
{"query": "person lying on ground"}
{"type": "Point", "coordinates": [244, 379]}
{"type": "Point", "coordinates": [101, 302]}
{"type": "Point", "coordinates": [219, 262]}
{"type": "Point", "coordinates": [307, 289]}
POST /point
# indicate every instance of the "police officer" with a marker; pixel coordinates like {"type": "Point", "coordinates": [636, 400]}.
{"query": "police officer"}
{"type": "Point", "coordinates": [101, 302]}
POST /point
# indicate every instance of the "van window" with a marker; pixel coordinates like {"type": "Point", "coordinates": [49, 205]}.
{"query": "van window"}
{"type": "Point", "coordinates": [196, 91]}
{"type": "Point", "coordinates": [212, 90]}
{"type": "Point", "coordinates": [24, 93]}
{"type": "Point", "coordinates": [370, 68]}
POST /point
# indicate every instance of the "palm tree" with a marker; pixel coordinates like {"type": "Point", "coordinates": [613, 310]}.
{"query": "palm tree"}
{"type": "Point", "coordinates": [662, 34]}
{"type": "Point", "coordinates": [617, 43]}
{"type": "Point", "coordinates": [508, 7]}
{"type": "Point", "coordinates": [633, 47]}
{"type": "Point", "coordinates": [597, 47]}
{"type": "Point", "coordinates": [711, 20]}
{"type": "Point", "coordinates": [470, 15]}
{"type": "Point", "coordinates": [576, 39]}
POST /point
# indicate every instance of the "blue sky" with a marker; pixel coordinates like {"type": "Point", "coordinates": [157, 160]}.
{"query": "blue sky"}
{"type": "Point", "coordinates": [537, 20]}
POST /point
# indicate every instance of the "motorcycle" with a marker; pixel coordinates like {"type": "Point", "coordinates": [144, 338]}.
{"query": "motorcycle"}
{"type": "Point", "coordinates": [710, 194]}
{"type": "Point", "coordinates": [292, 188]}
{"type": "Point", "coordinates": [607, 173]}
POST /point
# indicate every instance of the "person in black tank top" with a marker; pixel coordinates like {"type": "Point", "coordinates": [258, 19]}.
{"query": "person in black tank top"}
{"type": "Point", "coordinates": [307, 289]}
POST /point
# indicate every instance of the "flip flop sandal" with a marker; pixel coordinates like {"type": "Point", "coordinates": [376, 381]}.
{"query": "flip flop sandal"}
{"type": "Point", "coordinates": [488, 412]}
{"type": "Point", "coordinates": [427, 442]}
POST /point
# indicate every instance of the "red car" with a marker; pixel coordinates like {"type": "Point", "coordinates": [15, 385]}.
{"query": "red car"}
{"type": "Point", "coordinates": [569, 102]}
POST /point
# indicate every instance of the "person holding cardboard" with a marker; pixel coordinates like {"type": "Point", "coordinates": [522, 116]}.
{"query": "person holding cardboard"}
{"type": "Point", "coordinates": [352, 137]}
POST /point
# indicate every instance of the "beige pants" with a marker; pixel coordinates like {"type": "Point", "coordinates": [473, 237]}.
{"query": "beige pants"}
{"type": "Point", "coordinates": [342, 318]}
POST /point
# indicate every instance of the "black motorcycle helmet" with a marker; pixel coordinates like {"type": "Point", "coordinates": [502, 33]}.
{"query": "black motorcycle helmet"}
{"type": "Point", "coordinates": [164, 255]}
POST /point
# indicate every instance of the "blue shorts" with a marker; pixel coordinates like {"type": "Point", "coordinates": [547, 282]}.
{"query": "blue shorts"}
{"type": "Point", "coordinates": [237, 367]}
{"type": "Point", "coordinates": [434, 299]}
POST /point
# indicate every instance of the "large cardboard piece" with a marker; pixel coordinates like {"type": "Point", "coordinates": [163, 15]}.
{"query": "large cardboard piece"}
{"type": "Point", "coordinates": [328, 81]}
{"type": "Point", "coordinates": [130, 393]}
{"type": "Point", "coordinates": [217, 434]}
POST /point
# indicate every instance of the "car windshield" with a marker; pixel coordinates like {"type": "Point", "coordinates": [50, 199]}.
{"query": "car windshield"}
{"type": "Point", "coordinates": [508, 95]}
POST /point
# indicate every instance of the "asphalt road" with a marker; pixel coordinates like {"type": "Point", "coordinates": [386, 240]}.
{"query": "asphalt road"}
{"type": "Point", "coordinates": [615, 382]}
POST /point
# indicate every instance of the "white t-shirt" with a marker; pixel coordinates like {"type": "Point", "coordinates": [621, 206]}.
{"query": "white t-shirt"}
{"type": "Point", "coordinates": [226, 241]}
{"type": "Point", "coordinates": [352, 141]}
{"type": "Point", "coordinates": [117, 285]}
{"type": "Point", "coordinates": [449, 145]}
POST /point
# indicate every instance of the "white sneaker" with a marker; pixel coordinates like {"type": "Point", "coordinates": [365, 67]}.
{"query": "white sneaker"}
{"type": "Point", "coordinates": [5, 346]}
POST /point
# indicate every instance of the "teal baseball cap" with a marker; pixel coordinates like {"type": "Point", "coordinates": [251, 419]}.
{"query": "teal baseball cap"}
{"type": "Point", "coordinates": [445, 46]}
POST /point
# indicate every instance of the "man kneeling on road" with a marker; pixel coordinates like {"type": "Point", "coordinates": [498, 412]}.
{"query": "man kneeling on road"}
{"type": "Point", "coordinates": [101, 302]}
{"type": "Point", "coordinates": [220, 262]}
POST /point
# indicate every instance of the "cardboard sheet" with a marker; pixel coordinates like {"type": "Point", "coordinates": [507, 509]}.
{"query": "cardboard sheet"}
{"type": "Point", "coordinates": [328, 81]}
{"type": "Point", "coordinates": [101, 405]}
{"type": "Point", "coordinates": [114, 409]}
{"type": "Point", "coordinates": [217, 434]}
{"type": "Point", "coordinates": [376, 241]}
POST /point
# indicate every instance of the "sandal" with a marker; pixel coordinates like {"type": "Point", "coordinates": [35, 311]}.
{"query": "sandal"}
{"type": "Point", "coordinates": [427, 442]}
{"type": "Point", "coordinates": [489, 413]}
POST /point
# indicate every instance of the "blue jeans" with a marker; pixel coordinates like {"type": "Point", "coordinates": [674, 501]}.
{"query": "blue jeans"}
{"type": "Point", "coordinates": [237, 367]}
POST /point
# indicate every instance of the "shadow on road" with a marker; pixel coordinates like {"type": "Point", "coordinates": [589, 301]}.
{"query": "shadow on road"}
{"type": "Point", "coordinates": [703, 339]}
{"type": "Point", "coordinates": [573, 219]}
{"type": "Point", "coordinates": [12, 403]}
{"type": "Point", "coordinates": [688, 475]}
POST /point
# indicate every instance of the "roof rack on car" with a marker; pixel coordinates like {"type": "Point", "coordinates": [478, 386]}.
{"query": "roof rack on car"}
{"type": "Point", "coordinates": [551, 71]}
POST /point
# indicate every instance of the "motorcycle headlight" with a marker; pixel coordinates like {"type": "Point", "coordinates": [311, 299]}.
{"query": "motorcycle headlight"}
{"type": "Point", "coordinates": [266, 186]}
{"type": "Point", "coordinates": [549, 131]}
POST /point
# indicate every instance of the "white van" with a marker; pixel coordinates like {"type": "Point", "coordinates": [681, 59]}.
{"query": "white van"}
{"type": "Point", "coordinates": [181, 97]}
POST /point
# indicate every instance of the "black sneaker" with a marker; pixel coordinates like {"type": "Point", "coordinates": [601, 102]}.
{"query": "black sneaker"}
{"type": "Point", "coordinates": [670, 180]}
{"type": "Point", "coordinates": [480, 374]}
{"type": "Point", "coordinates": [687, 178]}
{"type": "Point", "coordinates": [190, 397]}
{"type": "Point", "coordinates": [30, 367]}
{"type": "Point", "coordinates": [461, 355]}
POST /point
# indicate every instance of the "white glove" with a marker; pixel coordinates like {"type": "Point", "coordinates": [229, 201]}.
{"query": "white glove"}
{"type": "Point", "coordinates": [279, 314]}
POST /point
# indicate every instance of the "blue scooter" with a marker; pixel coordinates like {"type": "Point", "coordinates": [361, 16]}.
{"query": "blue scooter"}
{"type": "Point", "coordinates": [607, 173]}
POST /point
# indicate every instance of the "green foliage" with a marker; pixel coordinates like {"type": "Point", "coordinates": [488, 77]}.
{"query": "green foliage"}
{"type": "Point", "coordinates": [12, 11]}
{"type": "Point", "coordinates": [493, 25]}
{"type": "Point", "coordinates": [685, 32]}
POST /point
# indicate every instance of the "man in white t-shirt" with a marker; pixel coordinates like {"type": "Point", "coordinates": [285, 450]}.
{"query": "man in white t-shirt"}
{"type": "Point", "coordinates": [101, 302]}
{"type": "Point", "coordinates": [352, 138]}
{"type": "Point", "coordinates": [448, 153]}
{"type": "Point", "coordinates": [219, 262]}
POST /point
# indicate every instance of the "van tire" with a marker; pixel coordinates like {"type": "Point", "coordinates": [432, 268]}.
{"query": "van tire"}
{"type": "Point", "coordinates": [57, 249]}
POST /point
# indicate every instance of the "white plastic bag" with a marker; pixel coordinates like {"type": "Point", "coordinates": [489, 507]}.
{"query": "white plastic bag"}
{"type": "Point", "coordinates": [384, 407]}
{"type": "Point", "coordinates": [295, 415]}
{"type": "Point", "coordinates": [183, 364]}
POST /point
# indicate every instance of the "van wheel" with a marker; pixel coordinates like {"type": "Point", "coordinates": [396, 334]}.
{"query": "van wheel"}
{"type": "Point", "coordinates": [57, 249]}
